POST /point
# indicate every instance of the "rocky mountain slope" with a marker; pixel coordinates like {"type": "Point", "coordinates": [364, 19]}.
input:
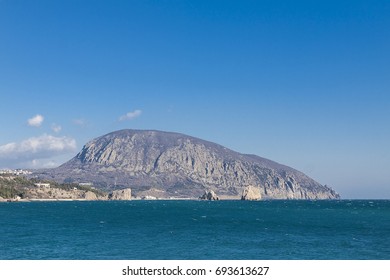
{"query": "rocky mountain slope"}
{"type": "Point", "coordinates": [164, 164]}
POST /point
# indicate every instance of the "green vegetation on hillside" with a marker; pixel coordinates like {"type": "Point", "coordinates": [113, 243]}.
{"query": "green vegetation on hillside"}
{"type": "Point", "coordinates": [71, 186]}
{"type": "Point", "coordinates": [12, 186]}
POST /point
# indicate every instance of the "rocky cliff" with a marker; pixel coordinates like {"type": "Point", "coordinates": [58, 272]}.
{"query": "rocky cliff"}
{"type": "Point", "coordinates": [177, 165]}
{"type": "Point", "coordinates": [251, 193]}
{"type": "Point", "coordinates": [124, 194]}
{"type": "Point", "coordinates": [209, 195]}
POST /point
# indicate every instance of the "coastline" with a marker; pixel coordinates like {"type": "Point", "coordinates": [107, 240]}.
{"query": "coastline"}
{"type": "Point", "coordinates": [132, 199]}
{"type": "Point", "coordinates": [83, 199]}
{"type": "Point", "coordinates": [41, 200]}
{"type": "Point", "coordinates": [174, 199]}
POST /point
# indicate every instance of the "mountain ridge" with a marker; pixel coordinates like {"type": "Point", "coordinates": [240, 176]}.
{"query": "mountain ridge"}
{"type": "Point", "coordinates": [170, 164]}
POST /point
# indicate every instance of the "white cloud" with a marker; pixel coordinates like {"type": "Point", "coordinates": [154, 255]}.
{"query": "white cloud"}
{"type": "Point", "coordinates": [36, 121]}
{"type": "Point", "coordinates": [130, 115]}
{"type": "Point", "coordinates": [42, 163]}
{"type": "Point", "coordinates": [56, 128]}
{"type": "Point", "coordinates": [44, 146]}
{"type": "Point", "coordinates": [80, 122]}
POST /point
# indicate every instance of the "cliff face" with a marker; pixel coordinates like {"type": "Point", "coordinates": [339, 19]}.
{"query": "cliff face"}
{"type": "Point", "coordinates": [182, 166]}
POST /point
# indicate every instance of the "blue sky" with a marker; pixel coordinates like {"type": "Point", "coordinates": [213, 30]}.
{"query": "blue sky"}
{"type": "Point", "coordinates": [304, 83]}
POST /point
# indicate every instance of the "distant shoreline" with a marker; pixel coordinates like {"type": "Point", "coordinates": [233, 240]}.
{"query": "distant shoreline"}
{"type": "Point", "coordinates": [82, 199]}
{"type": "Point", "coordinates": [133, 199]}
{"type": "Point", "coordinates": [176, 199]}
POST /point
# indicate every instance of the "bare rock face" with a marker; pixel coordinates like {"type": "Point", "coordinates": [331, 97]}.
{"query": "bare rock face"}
{"type": "Point", "coordinates": [90, 196]}
{"type": "Point", "coordinates": [251, 193]}
{"type": "Point", "coordinates": [181, 166]}
{"type": "Point", "coordinates": [124, 194]}
{"type": "Point", "coordinates": [209, 195]}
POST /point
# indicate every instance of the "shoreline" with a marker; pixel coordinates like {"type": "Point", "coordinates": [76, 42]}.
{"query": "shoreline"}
{"type": "Point", "coordinates": [83, 199]}
{"type": "Point", "coordinates": [173, 199]}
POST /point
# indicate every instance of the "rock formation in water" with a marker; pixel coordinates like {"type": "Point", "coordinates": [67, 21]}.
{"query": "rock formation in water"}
{"type": "Point", "coordinates": [177, 165]}
{"type": "Point", "coordinates": [209, 195]}
{"type": "Point", "coordinates": [124, 194]}
{"type": "Point", "coordinates": [90, 196]}
{"type": "Point", "coordinates": [251, 193]}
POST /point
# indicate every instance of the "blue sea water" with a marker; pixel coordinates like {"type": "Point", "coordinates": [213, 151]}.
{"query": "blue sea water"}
{"type": "Point", "coordinates": [283, 230]}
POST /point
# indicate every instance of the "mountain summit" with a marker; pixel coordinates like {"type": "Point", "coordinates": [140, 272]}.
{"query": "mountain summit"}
{"type": "Point", "coordinates": [165, 164]}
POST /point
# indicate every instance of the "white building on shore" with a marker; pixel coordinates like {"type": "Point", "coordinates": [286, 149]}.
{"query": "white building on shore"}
{"type": "Point", "coordinates": [42, 185]}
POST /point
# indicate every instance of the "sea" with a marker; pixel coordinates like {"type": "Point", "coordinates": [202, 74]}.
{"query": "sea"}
{"type": "Point", "coordinates": [196, 230]}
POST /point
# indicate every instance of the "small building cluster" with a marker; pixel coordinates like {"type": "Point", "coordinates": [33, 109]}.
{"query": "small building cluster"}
{"type": "Point", "coordinates": [42, 185]}
{"type": "Point", "coordinates": [17, 172]}
{"type": "Point", "coordinates": [85, 184]}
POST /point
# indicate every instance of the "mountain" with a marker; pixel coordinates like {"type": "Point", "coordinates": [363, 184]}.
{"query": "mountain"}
{"type": "Point", "coordinates": [165, 164]}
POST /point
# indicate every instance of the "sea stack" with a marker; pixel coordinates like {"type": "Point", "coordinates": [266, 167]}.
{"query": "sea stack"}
{"type": "Point", "coordinates": [209, 195]}
{"type": "Point", "coordinates": [124, 194]}
{"type": "Point", "coordinates": [251, 193]}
